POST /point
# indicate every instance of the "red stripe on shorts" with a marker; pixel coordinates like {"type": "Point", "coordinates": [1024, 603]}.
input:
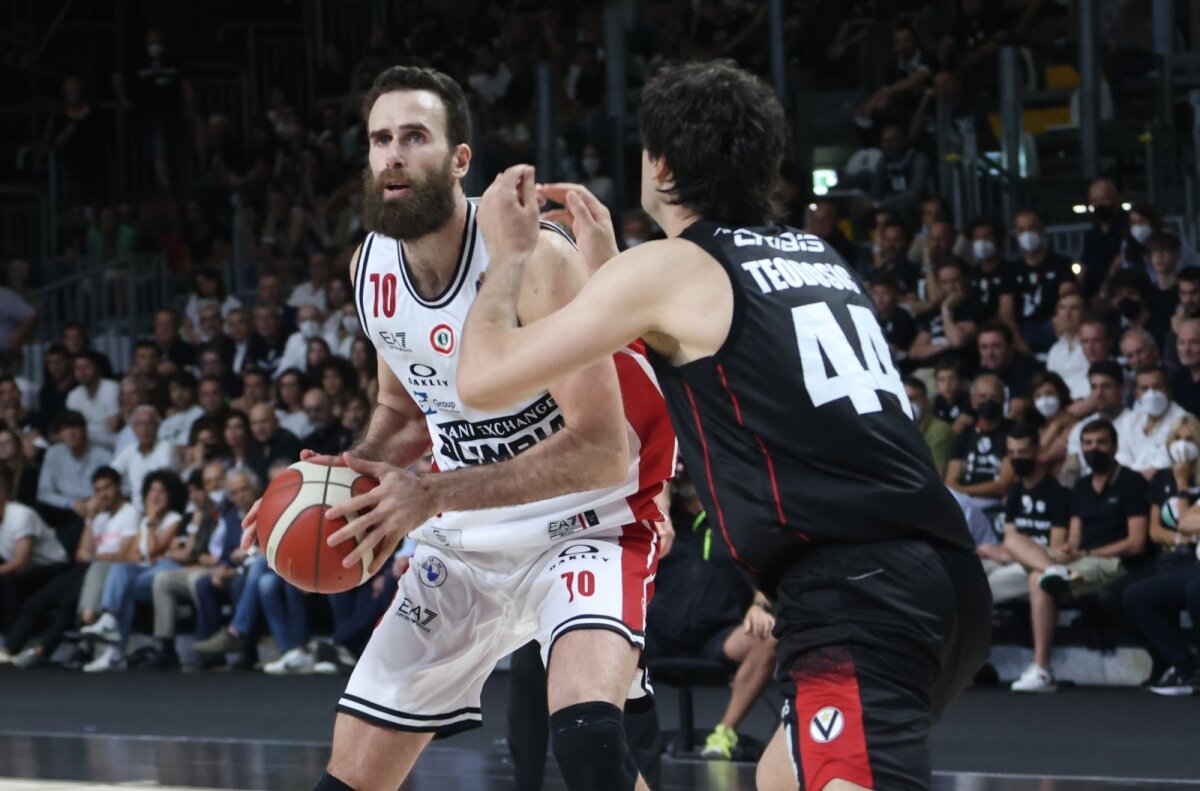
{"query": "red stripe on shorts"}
{"type": "Point", "coordinates": [831, 740]}
{"type": "Point", "coordinates": [639, 560]}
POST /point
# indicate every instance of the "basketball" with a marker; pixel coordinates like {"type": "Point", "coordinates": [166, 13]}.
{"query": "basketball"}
{"type": "Point", "coordinates": [293, 531]}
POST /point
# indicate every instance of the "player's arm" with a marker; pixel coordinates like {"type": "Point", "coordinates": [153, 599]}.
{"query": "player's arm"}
{"type": "Point", "coordinates": [22, 556]}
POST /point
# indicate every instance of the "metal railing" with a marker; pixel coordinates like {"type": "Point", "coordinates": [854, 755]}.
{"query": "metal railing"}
{"type": "Point", "coordinates": [221, 88]}
{"type": "Point", "coordinates": [277, 54]}
{"type": "Point", "coordinates": [119, 296]}
{"type": "Point", "coordinates": [26, 230]}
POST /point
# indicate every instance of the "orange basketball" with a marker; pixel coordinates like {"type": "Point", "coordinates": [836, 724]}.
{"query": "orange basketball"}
{"type": "Point", "coordinates": [293, 532]}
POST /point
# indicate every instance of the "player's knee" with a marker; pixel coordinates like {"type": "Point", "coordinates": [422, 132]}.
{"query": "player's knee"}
{"type": "Point", "coordinates": [588, 741]}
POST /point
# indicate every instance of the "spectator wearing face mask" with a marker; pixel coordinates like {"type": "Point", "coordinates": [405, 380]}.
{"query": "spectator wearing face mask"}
{"type": "Point", "coordinates": [899, 327]}
{"type": "Point", "coordinates": [1189, 308]}
{"type": "Point", "coordinates": [977, 474]}
{"type": "Point", "coordinates": [1138, 350]}
{"type": "Point", "coordinates": [1042, 276]}
{"type": "Point", "coordinates": [991, 276]}
{"type": "Point", "coordinates": [1050, 400]}
{"type": "Point", "coordinates": [1144, 429]}
{"type": "Point", "coordinates": [937, 433]}
{"type": "Point", "coordinates": [1015, 369]}
{"type": "Point", "coordinates": [295, 351]}
{"type": "Point", "coordinates": [1103, 241]}
{"type": "Point", "coordinates": [1129, 291]}
{"type": "Point", "coordinates": [1144, 222]}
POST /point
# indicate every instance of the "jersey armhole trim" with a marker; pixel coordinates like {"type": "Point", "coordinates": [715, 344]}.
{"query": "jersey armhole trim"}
{"type": "Point", "coordinates": [736, 322]}
{"type": "Point", "coordinates": [360, 288]}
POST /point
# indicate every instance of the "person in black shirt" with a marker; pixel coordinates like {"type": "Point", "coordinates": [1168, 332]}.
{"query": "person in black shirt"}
{"type": "Point", "coordinates": [1040, 276]}
{"type": "Point", "coordinates": [903, 177]}
{"type": "Point", "coordinates": [948, 331]}
{"type": "Point", "coordinates": [823, 223]}
{"type": "Point", "coordinates": [951, 402]}
{"type": "Point", "coordinates": [1015, 369]}
{"type": "Point", "coordinates": [752, 329]}
{"type": "Point", "coordinates": [992, 276]}
{"type": "Point", "coordinates": [1188, 291]}
{"type": "Point", "coordinates": [1163, 251]}
{"type": "Point", "coordinates": [893, 258]}
{"type": "Point", "coordinates": [977, 474]}
{"type": "Point", "coordinates": [1036, 513]}
{"type": "Point", "coordinates": [1102, 243]}
{"type": "Point", "coordinates": [1108, 527]}
{"type": "Point", "coordinates": [899, 327]}
{"type": "Point", "coordinates": [1129, 291]}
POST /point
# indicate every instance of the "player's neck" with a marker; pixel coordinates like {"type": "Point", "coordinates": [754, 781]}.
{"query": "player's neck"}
{"type": "Point", "coordinates": [674, 220]}
{"type": "Point", "coordinates": [433, 257]}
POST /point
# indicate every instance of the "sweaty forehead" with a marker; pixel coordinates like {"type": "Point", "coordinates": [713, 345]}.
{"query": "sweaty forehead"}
{"type": "Point", "coordinates": [399, 109]}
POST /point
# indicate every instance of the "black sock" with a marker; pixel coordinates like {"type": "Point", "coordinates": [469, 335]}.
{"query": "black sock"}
{"type": "Point", "coordinates": [330, 783]}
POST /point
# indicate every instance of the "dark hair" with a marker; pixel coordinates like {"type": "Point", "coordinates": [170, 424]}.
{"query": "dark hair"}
{"type": "Point", "coordinates": [988, 222]}
{"type": "Point", "coordinates": [1189, 273]}
{"type": "Point", "coordinates": [1096, 320]}
{"type": "Point", "coordinates": [69, 418]}
{"type": "Point", "coordinates": [6, 481]}
{"type": "Point", "coordinates": [916, 383]}
{"type": "Point", "coordinates": [176, 491]}
{"type": "Point", "coordinates": [210, 273]}
{"type": "Point", "coordinates": [1054, 380]}
{"type": "Point", "coordinates": [75, 325]}
{"type": "Point", "coordinates": [1100, 424]}
{"type": "Point", "coordinates": [998, 327]}
{"type": "Point", "coordinates": [1109, 368]}
{"type": "Point", "coordinates": [1153, 368]}
{"type": "Point", "coordinates": [414, 78]}
{"type": "Point", "coordinates": [344, 370]}
{"type": "Point", "coordinates": [886, 280]}
{"type": "Point", "coordinates": [249, 372]}
{"type": "Point", "coordinates": [1164, 241]}
{"type": "Point", "coordinates": [9, 379]}
{"type": "Point", "coordinates": [1137, 279]}
{"type": "Point", "coordinates": [1149, 212]}
{"type": "Point", "coordinates": [107, 473]}
{"type": "Point", "coordinates": [948, 364]}
{"type": "Point", "coordinates": [60, 349]}
{"type": "Point", "coordinates": [195, 479]}
{"type": "Point", "coordinates": [1022, 431]}
{"type": "Point", "coordinates": [145, 344]}
{"type": "Point", "coordinates": [951, 263]}
{"type": "Point", "coordinates": [895, 222]}
{"type": "Point", "coordinates": [184, 379]}
{"type": "Point", "coordinates": [97, 359]}
{"type": "Point", "coordinates": [722, 134]}
{"type": "Point", "coordinates": [210, 378]}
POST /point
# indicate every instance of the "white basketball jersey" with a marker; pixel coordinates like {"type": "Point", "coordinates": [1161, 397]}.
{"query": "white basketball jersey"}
{"type": "Point", "coordinates": [419, 340]}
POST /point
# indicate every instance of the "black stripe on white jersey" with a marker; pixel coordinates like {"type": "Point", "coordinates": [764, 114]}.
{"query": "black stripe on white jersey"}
{"type": "Point", "coordinates": [466, 251]}
{"type": "Point", "coordinates": [360, 282]}
{"type": "Point", "coordinates": [547, 225]}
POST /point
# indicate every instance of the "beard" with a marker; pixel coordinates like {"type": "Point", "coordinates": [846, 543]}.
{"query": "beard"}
{"type": "Point", "coordinates": [427, 207]}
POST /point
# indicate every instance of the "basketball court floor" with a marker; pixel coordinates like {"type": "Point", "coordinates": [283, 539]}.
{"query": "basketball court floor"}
{"type": "Point", "coordinates": [62, 731]}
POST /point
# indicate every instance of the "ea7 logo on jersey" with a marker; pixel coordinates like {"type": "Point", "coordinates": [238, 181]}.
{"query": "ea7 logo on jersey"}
{"type": "Point", "coordinates": [826, 725]}
{"type": "Point", "coordinates": [415, 614]}
{"type": "Point", "coordinates": [561, 528]}
{"type": "Point", "coordinates": [394, 341]}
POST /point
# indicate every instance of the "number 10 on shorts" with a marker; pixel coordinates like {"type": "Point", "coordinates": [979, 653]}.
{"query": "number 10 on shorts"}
{"type": "Point", "coordinates": [583, 583]}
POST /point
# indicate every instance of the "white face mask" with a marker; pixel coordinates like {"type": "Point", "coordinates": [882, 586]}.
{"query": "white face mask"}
{"type": "Point", "coordinates": [350, 323]}
{"type": "Point", "coordinates": [1047, 405]}
{"type": "Point", "coordinates": [983, 249]}
{"type": "Point", "coordinates": [1154, 403]}
{"type": "Point", "coordinates": [1029, 241]}
{"type": "Point", "coordinates": [1182, 451]}
{"type": "Point", "coordinates": [916, 409]}
{"type": "Point", "coordinates": [310, 328]}
{"type": "Point", "coordinates": [1141, 231]}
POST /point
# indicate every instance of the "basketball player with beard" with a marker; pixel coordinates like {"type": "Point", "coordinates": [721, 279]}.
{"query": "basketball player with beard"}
{"type": "Point", "coordinates": [540, 520]}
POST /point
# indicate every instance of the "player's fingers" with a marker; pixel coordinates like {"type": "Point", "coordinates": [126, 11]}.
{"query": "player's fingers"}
{"type": "Point", "coordinates": [355, 528]}
{"type": "Point", "coordinates": [320, 458]}
{"type": "Point", "coordinates": [251, 515]}
{"type": "Point", "coordinates": [557, 191]}
{"type": "Point", "coordinates": [384, 555]}
{"type": "Point", "coordinates": [376, 469]}
{"type": "Point", "coordinates": [355, 505]}
{"type": "Point", "coordinates": [595, 206]}
{"type": "Point", "coordinates": [580, 209]}
{"type": "Point", "coordinates": [367, 543]}
{"type": "Point", "coordinates": [560, 216]}
{"type": "Point", "coordinates": [249, 533]}
{"type": "Point", "coordinates": [528, 189]}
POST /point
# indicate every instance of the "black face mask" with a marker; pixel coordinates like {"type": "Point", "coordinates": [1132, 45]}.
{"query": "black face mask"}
{"type": "Point", "coordinates": [1104, 214]}
{"type": "Point", "coordinates": [1098, 460]}
{"type": "Point", "coordinates": [989, 410]}
{"type": "Point", "coordinates": [1129, 308]}
{"type": "Point", "coordinates": [1024, 467]}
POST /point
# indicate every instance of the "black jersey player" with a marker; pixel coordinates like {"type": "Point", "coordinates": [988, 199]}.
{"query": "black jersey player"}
{"type": "Point", "coordinates": [787, 406]}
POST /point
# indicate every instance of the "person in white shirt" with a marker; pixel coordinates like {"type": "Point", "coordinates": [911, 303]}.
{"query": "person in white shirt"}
{"type": "Point", "coordinates": [1145, 428]}
{"type": "Point", "coordinates": [1138, 350]}
{"type": "Point", "coordinates": [30, 553]}
{"type": "Point", "coordinates": [1066, 357]}
{"type": "Point", "coordinates": [110, 531]}
{"type": "Point", "coordinates": [184, 410]}
{"type": "Point", "coordinates": [290, 388]}
{"type": "Point", "coordinates": [312, 291]}
{"type": "Point", "coordinates": [133, 393]}
{"type": "Point", "coordinates": [97, 399]}
{"type": "Point", "coordinates": [295, 351]}
{"type": "Point", "coordinates": [65, 480]}
{"type": "Point", "coordinates": [144, 456]}
{"type": "Point", "coordinates": [132, 581]}
{"type": "Point", "coordinates": [338, 296]}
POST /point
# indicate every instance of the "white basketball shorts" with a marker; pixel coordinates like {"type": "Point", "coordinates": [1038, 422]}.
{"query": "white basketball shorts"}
{"type": "Point", "coordinates": [456, 614]}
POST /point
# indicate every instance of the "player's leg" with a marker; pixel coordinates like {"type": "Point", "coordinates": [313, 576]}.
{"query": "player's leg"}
{"type": "Point", "coordinates": [367, 757]}
{"type": "Point", "coordinates": [528, 727]}
{"type": "Point", "coordinates": [755, 660]}
{"type": "Point", "coordinates": [776, 773]}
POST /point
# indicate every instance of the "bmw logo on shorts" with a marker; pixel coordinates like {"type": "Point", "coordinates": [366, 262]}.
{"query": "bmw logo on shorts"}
{"type": "Point", "coordinates": [433, 572]}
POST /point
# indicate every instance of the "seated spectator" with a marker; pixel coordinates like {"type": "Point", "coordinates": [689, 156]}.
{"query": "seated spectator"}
{"type": "Point", "coordinates": [1154, 602]}
{"type": "Point", "coordinates": [971, 45]}
{"type": "Point", "coordinates": [1042, 277]}
{"type": "Point", "coordinates": [131, 395]}
{"type": "Point", "coordinates": [823, 222]}
{"type": "Point", "coordinates": [19, 459]}
{"type": "Point", "coordinates": [174, 348]}
{"type": "Point", "coordinates": [316, 353]}
{"type": "Point", "coordinates": [1050, 400]}
{"type": "Point", "coordinates": [356, 412]}
{"type": "Point", "coordinates": [899, 328]}
{"type": "Point", "coordinates": [145, 367]}
{"type": "Point", "coordinates": [1138, 350]}
{"type": "Point", "coordinates": [208, 289]}
{"type": "Point", "coordinates": [951, 401]}
{"type": "Point", "coordinates": [58, 380]}
{"type": "Point", "coordinates": [327, 437]}
{"type": "Point", "coordinates": [947, 331]}
{"type": "Point", "coordinates": [893, 260]}
{"type": "Point", "coordinates": [268, 340]}
{"type": "Point", "coordinates": [97, 399]}
{"type": "Point", "coordinates": [225, 582]}
{"type": "Point", "coordinates": [903, 178]}
{"type": "Point", "coordinates": [290, 402]}
{"type": "Point", "coordinates": [212, 363]}
{"type": "Point", "coordinates": [1185, 381]}
{"type": "Point", "coordinates": [206, 444]}
{"type": "Point", "coordinates": [295, 349]}
{"type": "Point", "coordinates": [1036, 514]}
{"type": "Point", "coordinates": [145, 456]}
{"type": "Point", "coordinates": [1129, 291]}
{"type": "Point", "coordinates": [65, 481]}
{"type": "Point", "coordinates": [243, 454]}
{"type": "Point", "coordinates": [701, 608]}
{"type": "Point", "coordinates": [1189, 308]}
{"type": "Point", "coordinates": [271, 442]}
{"type": "Point", "coordinates": [937, 433]}
{"type": "Point", "coordinates": [977, 475]}
{"type": "Point", "coordinates": [365, 363]}
{"type": "Point", "coordinates": [939, 247]}
{"type": "Point", "coordinates": [31, 555]}
{"type": "Point", "coordinates": [1143, 222]}
{"type": "Point", "coordinates": [1163, 251]}
{"type": "Point", "coordinates": [211, 398]}
{"type": "Point", "coordinates": [13, 412]}
{"type": "Point", "coordinates": [1144, 429]}
{"type": "Point", "coordinates": [1107, 399]}
{"type": "Point", "coordinates": [270, 295]}
{"type": "Point", "coordinates": [131, 582]}
{"type": "Point", "coordinates": [184, 411]}
{"type": "Point", "coordinates": [1067, 357]}
{"type": "Point", "coordinates": [909, 72]}
{"type": "Point", "coordinates": [341, 320]}
{"type": "Point", "coordinates": [938, 240]}
{"type": "Point", "coordinates": [992, 278]}
{"type": "Point", "coordinates": [1107, 530]}
{"type": "Point", "coordinates": [110, 531]}
{"type": "Point", "coordinates": [1016, 370]}
{"type": "Point", "coordinates": [1103, 241]}
{"type": "Point", "coordinates": [256, 389]}
{"type": "Point", "coordinates": [239, 350]}
{"type": "Point", "coordinates": [210, 329]}
{"type": "Point", "coordinates": [355, 614]}
{"type": "Point", "coordinates": [337, 379]}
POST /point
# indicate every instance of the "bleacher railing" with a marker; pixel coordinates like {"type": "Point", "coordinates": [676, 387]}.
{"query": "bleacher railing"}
{"type": "Point", "coordinates": [118, 296]}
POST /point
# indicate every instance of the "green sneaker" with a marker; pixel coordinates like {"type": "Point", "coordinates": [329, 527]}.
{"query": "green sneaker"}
{"type": "Point", "coordinates": [720, 743]}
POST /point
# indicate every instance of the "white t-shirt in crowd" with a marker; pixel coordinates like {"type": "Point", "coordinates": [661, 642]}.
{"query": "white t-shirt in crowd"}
{"type": "Point", "coordinates": [176, 428]}
{"type": "Point", "coordinates": [298, 423]}
{"type": "Point", "coordinates": [1066, 359]}
{"type": "Point", "coordinates": [306, 294]}
{"type": "Point", "coordinates": [21, 521]}
{"type": "Point", "coordinates": [169, 523]}
{"type": "Point", "coordinates": [109, 530]}
{"type": "Point", "coordinates": [134, 466]}
{"type": "Point", "coordinates": [1141, 451]}
{"type": "Point", "coordinates": [97, 410]}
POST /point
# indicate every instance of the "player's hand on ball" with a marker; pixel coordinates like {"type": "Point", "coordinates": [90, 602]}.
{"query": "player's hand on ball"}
{"type": "Point", "coordinates": [587, 217]}
{"type": "Point", "coordinates": [382, 517]}
{"type": "Point", "coordinates": [320, 458]}
{"type": "Point", "coordinates": [508, 213]}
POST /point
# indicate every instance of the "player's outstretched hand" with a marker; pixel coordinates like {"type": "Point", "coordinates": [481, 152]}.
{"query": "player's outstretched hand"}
{"type": "Point", "coordinates": [401, 503]}
{"type": "Point", "coordinates": [508, 213]}
{"type": "Point", "coordinates": [587, 217]}
{"type": "Point", "coordinates": [250, 526]}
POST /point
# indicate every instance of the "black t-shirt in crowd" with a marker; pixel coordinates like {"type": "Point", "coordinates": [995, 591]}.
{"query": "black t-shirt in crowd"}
{"type": "Point", "coordinates": [1105, 513]}
{"type": "Point", "coordinates": [931, 321]}
{"type": "Point", "coordinates": [949, 410]}
{"type": "Point", "coordinates": [899, 330]}
{"type": "Point", "coordinates": [904, 270]}
{"type": "Point", "coordinates": [1037, 286]}
{"type": "Point", "coordinates": [989, 287]}
{"type": "Point", "coordinates": [1163, 486]}
{"type": "Point", "coordinates": [1018, 379]}
{"type": "Point", "coordinates": [982, 453]}
{"type": "Point", "coordinates": [1034, 511]}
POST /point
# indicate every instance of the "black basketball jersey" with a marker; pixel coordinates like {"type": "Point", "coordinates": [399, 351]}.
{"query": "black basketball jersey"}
{"type": "Point", "coordinates": [798, 430]}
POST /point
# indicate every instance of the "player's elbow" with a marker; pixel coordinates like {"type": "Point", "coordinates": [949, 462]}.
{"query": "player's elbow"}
{"type": "Point", "coordinates": [481, 392]}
